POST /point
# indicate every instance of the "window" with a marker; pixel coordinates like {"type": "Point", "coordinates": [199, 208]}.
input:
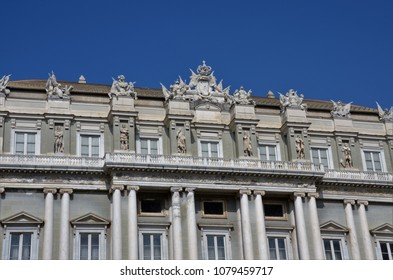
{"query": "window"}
{"type": "Point", "coordinates": [25, 143]}
{"type": "Point", "coordinates": [274, 210]}
{"type": "Point", "coordinates": [373, 161]}
{"type": "Point", "coordinates": [267, 152]}
{"type": "Point", "coordinates": [153, 243]}
{"type": "Point", "coordinates": [20, 245]}
{"type": "Point", "coordinates": [386, 249]}
{"type": "Point", "coordinates": [90, 145]}
{"type": "Point", "coordinates": [149, 146]}
{"type": "Point", "coordinates": [210, 149]}
{"type": "Point", "coordinates": [277, 248]}
{"type": "Point", "coordinates": [89, 246]}
{"type": "Point", "coordinates": [216, 242]}
{"type": "Point", "coordinates": [321, 156]}
{"type": "Point", "coordinates": [151, 206]}
{"type": "Point", "coordinates": [213, 209]}
{"type": "Point", "coordinates": [333, 249]}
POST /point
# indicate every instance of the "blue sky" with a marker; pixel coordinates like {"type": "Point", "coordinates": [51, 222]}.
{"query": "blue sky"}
{"type": "Point", "coordinates": [339, 50]}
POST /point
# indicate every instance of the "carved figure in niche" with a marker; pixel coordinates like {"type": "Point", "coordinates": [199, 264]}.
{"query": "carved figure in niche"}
{"type": "Point", "coordinates": [124, 138]}
{"type": "Point", "coordinates": [247, 145]}
{"type": "Point", "coordinates": [59, 145]}
{"type": "Point", "coordinates": [121, 88]}
{"type": "Point", "coordinates": [384, 115]}
{"type": "Point", "coordinates": [347, 162]}
{"type": "Point", "coordinates": [181, 142]}
{"type": "Point", "coordinates": [243, 97]}
{"type": "Point", "coordinates": [299, 147]}
{"type": "Point", "coordinates": [3, 84]}
{"type": "Point", "coordinates": [341, 110]}
{"type": "Point", "coordinates": [291, 99]}
{"type": "Point", "coordinates": [53, 88]}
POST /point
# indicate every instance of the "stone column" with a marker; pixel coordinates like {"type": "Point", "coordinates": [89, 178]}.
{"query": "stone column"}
{"type": "Point", "coordinates": [366, 239]}
{"type": "Point", "coordinates": [48, 227]}
{"type": "Point", "coordinates": [176, 224]}
{"type": "Point", "coordinates": [116, 222]}
{"type": "Point", "coordinates": [315, 228]}
{"type": "Point", "coordinates": [64, 243]}
{"type": "Point", "coordinates": [191, 225]}
{"type": "Point", "coordinates": [263, 247]}
{"type": "Point", "coordinates": [353, 239]}
{"type": "Point", "coordinates": [304, 253]}
{"type": "Point", "coordinates": [132, 223]}
{"type": "Point", "coordinates": [246, 225]}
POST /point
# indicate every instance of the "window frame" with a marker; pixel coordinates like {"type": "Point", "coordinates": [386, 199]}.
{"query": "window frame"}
{"type": "Point", "coordinates": [162, 230]}
{"type": "Point", "coordinates": [154, 214]}
{"type": "Point", "coordinates": [78, 230]}
{"type": "Point", "coordinates": [284, 208]}
{"type": "Point", "coordinates": [381, 158]}
{"type": "Point", "coordinates": [149, 137]}
{"type": "Point", "coordinates": [281, 232]}
{"type": "Point", "coordinates": [210, 141]}
{"type": "Point", "coordinates": [224, 207]}
{"type": "Point", "coordinates": [276, 150]}
{"type": "Point", "coordinates": [216, 230]}
{"type": "Point", "coordinates": [379, 250]}
{"type": "Point", "coordinates": [37, 146]}
{"type": "Point", "coordinates": [328, 154]}
{"type": "Point", "coordinates": [34, 246]}
{"type": "Point", "coordinates": [101, 142]}
{"type": "Point", "coordinates": [343, 244]}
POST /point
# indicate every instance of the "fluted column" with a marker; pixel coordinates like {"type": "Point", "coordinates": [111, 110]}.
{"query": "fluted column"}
{"type": "Point", "coordinates": [132, 223]}
{"type": "Point", "coordinates": [64, 243]}
{"type": "Point", "coordinates": [191, 225]}
{"type": "Point", "coordinates": [263, 247]}
{"type": "Point", "coordinates": [353, 239]}
{"type": "Point", "coordinates": [48, 228]}
{"type": "Point", "coordinates": [366, 239]}
{"type": "Point", "coordinates": [315, 228]}
{"type": "Point", "coordinates": [246, 225]}
{"type": "Point", "coordinates": [176, 224]}
{"type": "Point", "coordinates": [304, 252]}
{"type": "Point", "coordinates": [116, 222]}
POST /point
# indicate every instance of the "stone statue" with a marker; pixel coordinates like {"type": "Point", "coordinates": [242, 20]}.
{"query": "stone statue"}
{"type": "Point", "coordinates": [247, 145]}
{"type": "Point", "coordinates": [3, 84]}
{"type": "Point", "coordinates": [53, 88]}
{"type": "Point", "coordinates": [341, 110]}
{"type": "Point", "coordinates": [124, 138]}
{"type": "Point", "coordinates": [385, 115]}
{"type": "Point", "coordinates": [292, 99]}
{"type": "Point", "coordinates": [347, 162]}
{"type": "Point", "coordinates": [299, 147]}
{"type": "Point", "coordinates": [59, 145]}
{"type": "Point", "coordinates": [242, 97]}
{"type": "Point", "coordinates": [121, 88]}
{"type": "Point", "coordinates": [181, 142]}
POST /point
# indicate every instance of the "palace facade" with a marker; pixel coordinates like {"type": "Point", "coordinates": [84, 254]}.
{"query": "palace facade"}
{"type": "Point", "coordinates": [190, 171]}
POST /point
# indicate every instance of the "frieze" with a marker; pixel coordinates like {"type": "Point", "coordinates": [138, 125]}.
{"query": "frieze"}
{"type": "Point", "coordinates": [340, 190]}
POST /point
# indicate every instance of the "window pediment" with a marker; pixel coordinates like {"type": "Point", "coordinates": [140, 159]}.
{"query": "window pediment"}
{"type": "Point", "coordinates": [383, 229]}
{"type": "Point", "coordinates": [90, 219]}
{"type": "Point", "coordinates": [333, 227]}
{"type": "Point", "coordinates": [22, 218]}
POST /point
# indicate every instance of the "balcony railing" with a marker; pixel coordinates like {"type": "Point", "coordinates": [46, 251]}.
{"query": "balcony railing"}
{"type": "Point", "coordinates": [354, 175]}
{"type": "Point", "coordinates": [124, 159]}
{"type": "Point", "coordinates": [49, 162]}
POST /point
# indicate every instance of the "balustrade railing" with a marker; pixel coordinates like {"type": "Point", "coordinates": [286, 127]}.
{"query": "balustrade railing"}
{"type": "Point", "coordinates": [358, 175]}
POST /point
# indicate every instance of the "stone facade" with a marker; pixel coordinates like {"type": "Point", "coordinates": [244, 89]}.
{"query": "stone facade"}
{"type": "Point", "coordinates": [190, 172]}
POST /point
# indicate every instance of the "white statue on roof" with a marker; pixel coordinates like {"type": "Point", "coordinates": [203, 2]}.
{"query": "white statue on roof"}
{"type": "Point", "coordinates": [3, 84]}
{"type": "Point", "coordinates": [54, 89]}
{"type": "Point", "coordinates": [385, 115]}
{"type": "Point", "coordinates": [341, 110]}
{"type": "Point", "coordinates": [292, 99]}
{"type": "Point", "coordinates": [121, 88]}
{"type": "Point", "coordinates": [243, 97]}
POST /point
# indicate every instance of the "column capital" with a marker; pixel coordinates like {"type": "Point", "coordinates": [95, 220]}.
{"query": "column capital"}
{"type": "Point", "coordinates": [299, 194]}
{"type": "Point", "coordinates": [313, 194]}
{"type": "Point", "coordinates": [49, 190]}
{"type": "Point", "coordinates": [247, 192]}
{"type": "Point", "coordinates": [2, 190]}
{"type": "Point", "coordinates": [190, 189]}
{"type": "Point", "coordinates": [116, 187]}
{"type": "Point", "coordinates": [63, 191]}
{"type": "Point", "coordinates": [132, 188]}
{"type": "Point", "coordinates": [259, 192]}
{"type": "Point", "coordinates": [176, 189]}
{"type": "Point", "coordinates": [363, 202]}
{"type": "Point", "coordinates": [349, 201]}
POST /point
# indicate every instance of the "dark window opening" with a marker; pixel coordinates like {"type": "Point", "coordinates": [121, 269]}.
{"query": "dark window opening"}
{"type": "Point", "coordinates": [274, 210]}
{"type": "Point", "coordinates": [151, 206]}
{"type": "Point", "coordinates": [213, 208]}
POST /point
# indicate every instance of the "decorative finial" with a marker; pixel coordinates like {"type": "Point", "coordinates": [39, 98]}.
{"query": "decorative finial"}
{"type": "Point", "coordinates": [270, 94]}
{"type": "Point", "coordinates": [82, 80]}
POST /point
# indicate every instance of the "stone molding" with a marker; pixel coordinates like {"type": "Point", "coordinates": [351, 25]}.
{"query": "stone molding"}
{"type": "Point", "coordinates": [258, 192]}
{"type": "Point", "coordinates": [349, 201]}
{"type": "Point", "coordinates": [49, 190]}
{"type": "Point", "coordinates": [63, 191]}
{"type": "Point", "coordinates": [362, 202]}
{"type": "Point", "coordinates": [133, 188]}
{"type": "Point", "coordinates": [313, 194]}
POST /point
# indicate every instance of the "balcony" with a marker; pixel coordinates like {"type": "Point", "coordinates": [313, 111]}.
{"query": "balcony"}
{"type": "Point", "coordinates": [358, 177]}
{"type": "Point", "coordinates": [197, 164]}
{"type": "Point", "coordinates": [50, 163]}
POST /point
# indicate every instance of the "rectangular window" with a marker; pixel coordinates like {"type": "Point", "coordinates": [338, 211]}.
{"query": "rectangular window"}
{"type": "Point", "coordinates": [90, 145]}
{"type": "Point", "coordinates": [216, 243]}
{"type": "Point", "coordinates": [149, 146]}
{"type": "Point", "coordinates": [267, 152]}
{"type": "Point", "coordinates": [373, 161]}
{"type": "Point", "coordinates": [89, 246]}
{"type": "Point", "coordinates": [151, 206]}
{"type": "Point", "coordinates": [209, 149]}
{"type": "Point", "coordinates": [216, 247]}
{"type": "Point", "coordinates": [277, 248]}
{"type": "Point", "coordinates": [25, 143]}
{"type": "Point", "coordinates": [20, 248]}
{"type": "Point", "coordinates": [320, 156]}
{"type": "Point", "coordinates": [333, 249]}
{"type": "Point", "coordinates": [274, 210]}
{"type": "Point", "coordinates": [213, 209]}
{"type": "Point", "coordinates": [153, 243]}
{"type": "Point", "coordinates": [386, 250]}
